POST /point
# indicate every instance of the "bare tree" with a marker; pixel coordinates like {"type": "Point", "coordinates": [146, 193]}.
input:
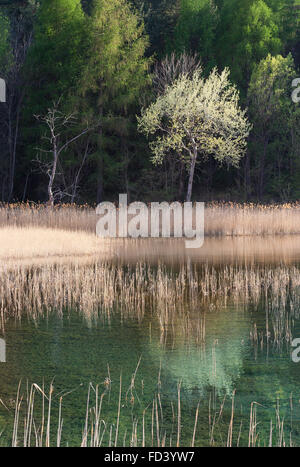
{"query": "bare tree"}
{"type": "Point", "coordinates": [72, 177]}
{"type": "Point", "coordinates": [58, 126]}
{"type": "Point", "coordinates": [172, 67]}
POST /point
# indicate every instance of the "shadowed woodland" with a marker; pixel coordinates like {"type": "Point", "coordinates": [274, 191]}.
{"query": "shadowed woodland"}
{"type": "Point", "coordinates": [83, 77]}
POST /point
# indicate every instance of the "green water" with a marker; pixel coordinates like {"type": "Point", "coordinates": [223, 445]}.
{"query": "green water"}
{"type": "Point", "coordinates": [74, 352]}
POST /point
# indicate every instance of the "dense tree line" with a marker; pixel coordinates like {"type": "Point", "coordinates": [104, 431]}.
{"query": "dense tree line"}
{"type": "Point", "coordinates": [80, 73]}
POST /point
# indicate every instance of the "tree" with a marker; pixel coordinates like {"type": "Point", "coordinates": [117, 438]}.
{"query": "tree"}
{"type": "Point", "coordinates": [275, 137]}
{"type": "Point", "coordinates": [4, 67]}
{"type": "Point", "coordinates": [56, 59]}
{"type": "Point", "coordinates": [165, 73]}
{"type": "Point", "coordinates": [15, 41]}
{"type": "Point", "coordinates": [247, 33]}
{"type": "Point", "coordinates": [53, 70]}
{"type": "Point", "coordinates": [114, 78]}
{"type": "Point", "coordinates": [57, 124]}
{"type": "Point", "coordinates": [197, 117]}
{"type": "Point", "coordinates": [286, 16]}
{"type": "Point", "coordinates": [160, 18]}
{"type": "Point", "coordinates": [196, 28]}
{"type": "Point", "coordinates": [171, 68]}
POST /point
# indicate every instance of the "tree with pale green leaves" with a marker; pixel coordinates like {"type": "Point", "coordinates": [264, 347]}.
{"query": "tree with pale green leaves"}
{"type": "Point", "coordinates": [197, 118]}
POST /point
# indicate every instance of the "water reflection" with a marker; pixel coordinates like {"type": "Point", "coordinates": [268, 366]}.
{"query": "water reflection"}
{"type": "Point", "coordinates": [223, 250]}
{"type": "Point", "coordinates": [217, 362]}
{"type": "Point", "coordinates": [247, 250]}
{"type": "Point", "coordinates": [218, 320]}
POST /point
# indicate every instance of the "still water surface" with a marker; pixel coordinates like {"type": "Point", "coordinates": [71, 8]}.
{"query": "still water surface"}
{"type": "Point", "coordinates": [224, 354]}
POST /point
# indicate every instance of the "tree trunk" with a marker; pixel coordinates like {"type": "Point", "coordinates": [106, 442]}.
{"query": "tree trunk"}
{"type": "Point", "coordinates": [52, 176]}
{"type": "Point", "coordinates": [13, 149]}
{"type": "Point", "coordinates": [262, 169]}
{"type": "Point", "coordinates": [181, 180]}
{"type": "Point", "coordinates": [191, 176]}
{"type": "Point", "coordinates": [247, 176]}
{"type": "Point", "coordinates": [100, 188]}
{"type": "Point", "coordinates": [100, 181]}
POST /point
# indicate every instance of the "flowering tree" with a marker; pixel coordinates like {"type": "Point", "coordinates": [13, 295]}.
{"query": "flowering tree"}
{"type": "Point", "coordinates": [197, 118]}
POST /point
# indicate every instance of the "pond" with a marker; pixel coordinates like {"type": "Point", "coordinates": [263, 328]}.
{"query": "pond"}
{"type": "Point", "coordinates": [154, 345]}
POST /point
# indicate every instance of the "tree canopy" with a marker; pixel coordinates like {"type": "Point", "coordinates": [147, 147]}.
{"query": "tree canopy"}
{"type": "Point", "coordinates": [197, 117]}
{"type": "Point", "coordinates": [105, 60]}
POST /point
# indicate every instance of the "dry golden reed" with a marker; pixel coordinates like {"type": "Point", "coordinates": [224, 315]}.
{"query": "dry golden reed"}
{"type": "Point", "coordinates": [21, 243]}
{"type": "Point", "coordinates": [177, 298]}
{"type": "Point", "coordinates": [221, 219]}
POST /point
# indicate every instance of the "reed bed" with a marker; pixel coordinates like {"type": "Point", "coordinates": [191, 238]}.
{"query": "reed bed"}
{"type": "Point", "coordinates": [221, 219]}
{"type": "Point", "coordinates": [178, 299]}
{"type": "Point", "coordinates": [30, 243]}
{"type": "Point", "coordinates": [230, 219]}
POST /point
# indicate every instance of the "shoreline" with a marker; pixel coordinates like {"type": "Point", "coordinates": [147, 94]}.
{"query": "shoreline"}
{"type": "Point", "coordinates": [29, 246]}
